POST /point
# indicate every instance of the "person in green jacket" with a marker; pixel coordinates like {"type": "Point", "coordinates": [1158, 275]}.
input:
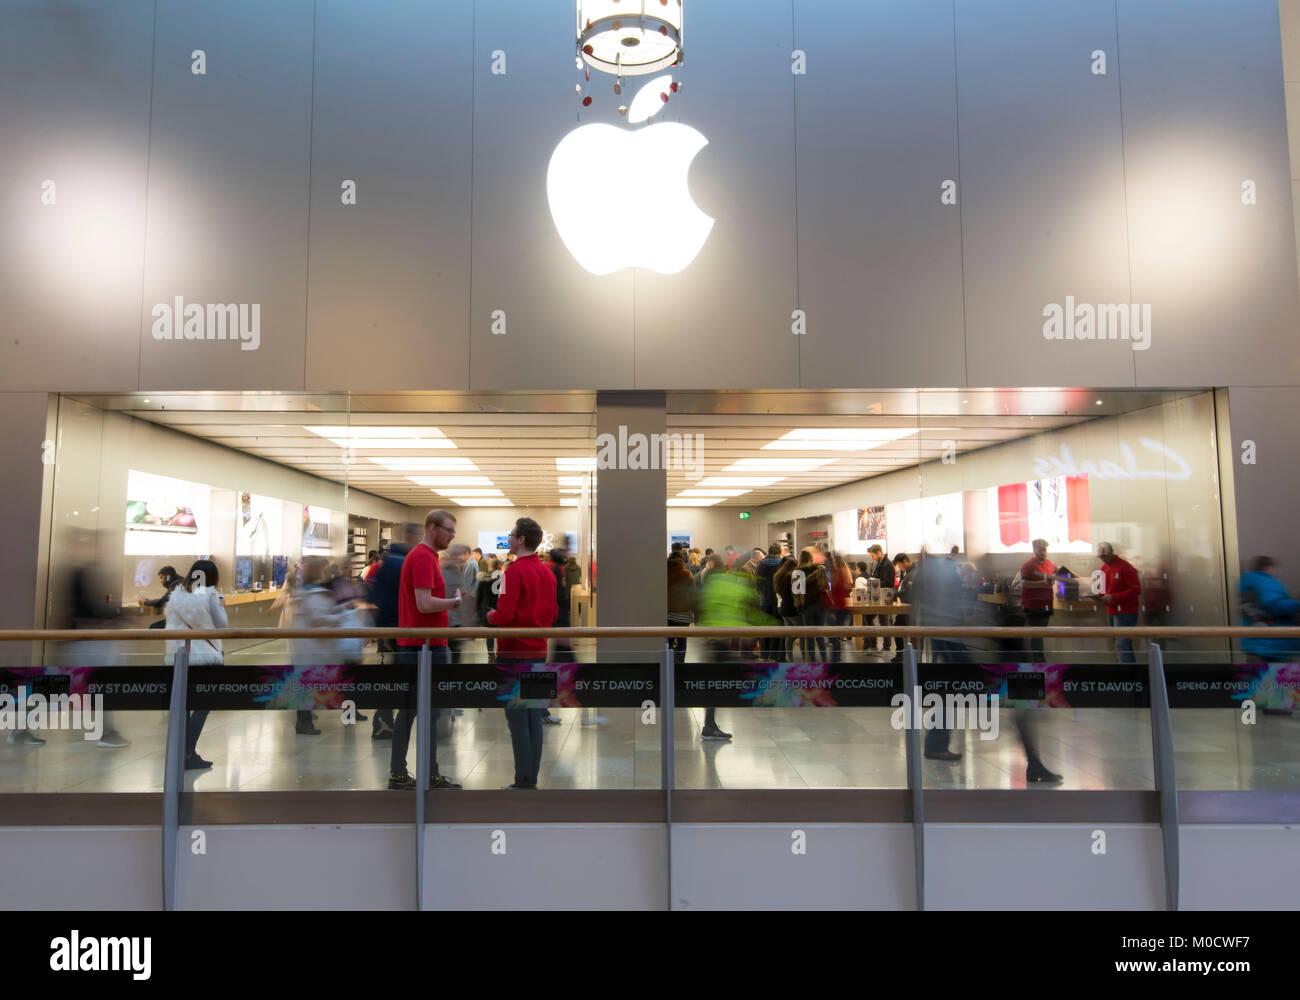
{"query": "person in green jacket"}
{"type": "Point", "coordinates": [728, 599]}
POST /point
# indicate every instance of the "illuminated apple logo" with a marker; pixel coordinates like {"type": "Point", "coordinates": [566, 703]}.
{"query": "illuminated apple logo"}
{"type": "Point", "coordinates": [619, 197]}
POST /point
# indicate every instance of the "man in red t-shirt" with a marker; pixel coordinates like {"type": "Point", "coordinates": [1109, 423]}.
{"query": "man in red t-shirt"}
{"type": "Point", "coordinates": [1122, 593]}
{"type": "Point", "coordinates": [527, 600]}
{"type": "Point", "coordinates": [422, 602]}
{"type": "Point", "coordinates": [1037, 584]}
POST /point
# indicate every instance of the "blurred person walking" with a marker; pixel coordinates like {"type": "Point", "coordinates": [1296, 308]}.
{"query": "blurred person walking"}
{"type": "Point", "coordinates": [788, 613]}
{"type": "Point", "coordinates": [485, 597]}
{"type": "Point", "coordinates": [880, 568]}
{"type": "Point", "coordinates": [727, 600]}
{"type": "Point", "coordinates": [904, 574]}
{"type": "Point", "coordinates": [314, 607]}
{"type": "Point", "coordinates": [461, 573]}
{"type": "Point", "coordinates": [1265, 601]}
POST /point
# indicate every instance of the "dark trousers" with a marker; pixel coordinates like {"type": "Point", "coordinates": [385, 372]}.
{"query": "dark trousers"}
{"type": "Point", "coordinates": [526, 742]}
{"type": "Point", "coordinates": [839, 616]}
{"type": "Point", "coordinates": [1123, 645]}
{"type": "Point", "coordinates": [383, 718]}
{"type": "Point", "coordinates": [678, 644]}
{"type": "Point", "coordinates": [1037, 618]}
{"type": "Point", "coordinates": [902, 621]}
{"type": "Point", "coordinates": [813, 614]}
{"type": "Point", "coordinates": [944, 651]}
{"type": "Point", "coordinates": [193, 727]}
{"type": "Point", "coordinates": [409, 656]}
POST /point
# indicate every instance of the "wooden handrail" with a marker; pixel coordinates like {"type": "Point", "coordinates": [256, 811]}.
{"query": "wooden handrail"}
{"type": "Point", "coordinates": [648, 632]}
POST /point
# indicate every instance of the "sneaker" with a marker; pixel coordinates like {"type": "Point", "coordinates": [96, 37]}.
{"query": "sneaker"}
{"type": "Point", "coordinates": [382, 734]}
{"type": "Point", "coordinates": [1038, 773]}
{"type": "Point", "coordinates": [551, 720]}
{"type": "Point", "coordinates": [24, 738]}
{"type": "Point", "coordinates": [438, 781]}
{"type": "Point", "coordinates": [362, 718]}
{"type": "Point", "coordinates": [402, 782]}
{"type": "Point", "coordinates": [196, 763]}
{"type": "Point", "coordinates": [713, 733]}
{"type": "Point", "coordinates": [306, 730]}
{"type": "Point", "coordinates": [113, 738]}
{"type": "Point", "coordinates": [941, 755]}
{"type": "Point", "coordinates": [518, 787]}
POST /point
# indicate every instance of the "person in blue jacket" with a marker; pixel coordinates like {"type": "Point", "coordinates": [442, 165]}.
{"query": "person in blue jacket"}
{"type": "Point", "coordinates": [1264, 601]}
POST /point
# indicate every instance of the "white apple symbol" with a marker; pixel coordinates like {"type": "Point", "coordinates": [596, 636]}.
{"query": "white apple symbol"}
{"type": "Point", "coordinates": [620, 198]}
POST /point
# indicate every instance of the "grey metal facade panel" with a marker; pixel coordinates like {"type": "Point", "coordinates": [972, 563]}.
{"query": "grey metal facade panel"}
{"type": "Point", "coordinates": [880, 273]}
{"type": "Point", "coordinates": [1042, 188]}
{"type": "Point", "coordinates": [228, 191]}
{"type": "Point", "coordinates": [565, 328]}
{"type": "Point", "coordinates": [75, 112]}
{"type": "Point", "coordinates": [393, 268]}
{"type": "Point", "coordinates": [1114, 188]}
{"type": "Point", "coordinates": [1203, 114]}
{"type": "Point", "coordinates": [724, 321]}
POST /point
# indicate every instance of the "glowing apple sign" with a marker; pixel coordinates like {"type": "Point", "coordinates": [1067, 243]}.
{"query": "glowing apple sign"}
{"type": "Point", "coordinates": [620, 198]}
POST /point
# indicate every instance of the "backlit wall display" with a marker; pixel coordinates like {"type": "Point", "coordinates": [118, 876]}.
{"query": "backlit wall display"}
{"type": "Point", "coordinates": [845, 532]}
{"type": "Point", "coordinates": [934, 524]}
{"type": "Point", "coordinates": [166, 516]}
{"type": "Point", "coordinates": [495, 542]}
{"type": "Point", "coordinates": [1057, 509]}
{"type": "Point", "coordinates": [315, 530]}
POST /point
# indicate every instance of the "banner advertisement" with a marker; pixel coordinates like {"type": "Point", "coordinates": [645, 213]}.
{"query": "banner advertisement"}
{"type": "Point", "coordinates": [541, 685]}
{"type": "Point", "coordinates": [136, 688]}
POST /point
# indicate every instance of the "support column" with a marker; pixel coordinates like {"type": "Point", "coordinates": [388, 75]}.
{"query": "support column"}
{"type": "Point", "coordinates": [631, 521]}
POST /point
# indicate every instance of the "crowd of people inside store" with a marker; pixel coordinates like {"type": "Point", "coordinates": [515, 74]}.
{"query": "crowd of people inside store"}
{"type": "Point", "coordinates": [425, 579]}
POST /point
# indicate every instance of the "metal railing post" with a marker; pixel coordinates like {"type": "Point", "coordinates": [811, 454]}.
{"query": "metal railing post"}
{"type": "Point", "coordinates": [912, 743]}
{"type": "Point", "coordinates": [1162, 755]}
{"type": "Point", "coordinates": [667, 754]}
{"type": "Point", "coordinates": [423, 752]}
{"type": "Point", "coordinates": [174, 772]}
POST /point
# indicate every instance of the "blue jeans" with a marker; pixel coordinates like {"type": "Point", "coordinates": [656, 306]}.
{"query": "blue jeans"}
{"type": "Point", "coordinates": [1123, 645]}
{"type": "Point", "coordinates": [814, 615]}
{"type": "Point", "coordinates": [526, 742]}
{"type": "Point", "coordinates": [839, 616]}
{"type": "Point", "coordinates": [409, 656]}
{"type": "Point", "coordinates": [944, 651]}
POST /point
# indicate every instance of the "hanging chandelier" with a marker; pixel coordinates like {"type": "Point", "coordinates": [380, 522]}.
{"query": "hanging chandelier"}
{"type": "Point", "coordinates": [629, 37]}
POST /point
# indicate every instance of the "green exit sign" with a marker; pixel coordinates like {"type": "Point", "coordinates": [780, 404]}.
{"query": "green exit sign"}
{"type": "Point", "coordinates": [744, 515]}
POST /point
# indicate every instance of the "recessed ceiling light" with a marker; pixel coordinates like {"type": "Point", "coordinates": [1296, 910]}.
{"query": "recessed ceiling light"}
{"type": "Point", "coordinates": [569, 489]}
{"type": "Point", "coordinates": [694, 501]}
{"type": "Point", "coordinates": [450, 481]}
{"type": "Point", "coordinates": [460, 491]}
{"type": "Point", "coordinates": [482, 501]}
{"type": "Point", "coordinates": [354, 430]}
{"type": "Point", "coordinates": [715, 492]}
{"type": "Point", "coordinates": [838, 438]}
{"type": "Point", "coordinates": [777, 464]}
{"type": "Point", "coordinates": [426, 464]}
{"type": "Point", "coordinates": [568, 502]}
{"type": "Point", "coordinates": [576, 464]}
{"type": "Point", "coordinates": [752, 482]}
{"type": "Point", "coordinates": [1099, 402]}
{"type": "Point", "coordinates": [569, 480]}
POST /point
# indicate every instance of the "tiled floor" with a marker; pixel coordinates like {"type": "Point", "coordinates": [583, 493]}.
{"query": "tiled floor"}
{"type": "Point", "coordinates": [772, 748]}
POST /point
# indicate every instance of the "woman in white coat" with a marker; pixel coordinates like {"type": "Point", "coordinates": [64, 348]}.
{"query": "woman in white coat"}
{"type": "Point", "coordinates": [197, 605]}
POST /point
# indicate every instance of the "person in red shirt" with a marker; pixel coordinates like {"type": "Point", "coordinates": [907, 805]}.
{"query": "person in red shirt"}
{"type": "Point", "coordinates": [422, 602]}
{"type": "Point", "coordinates": [527, 600]}
{"type": "Point", "coordinates": [1121, 592]}
{"type": "Point", "coordinates": [1037, 583]}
